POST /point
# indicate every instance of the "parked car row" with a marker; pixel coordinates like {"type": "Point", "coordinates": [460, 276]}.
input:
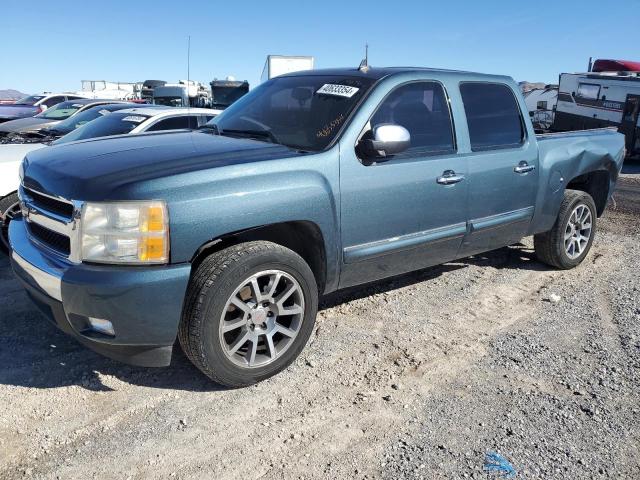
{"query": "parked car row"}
{"type": "Point", "coordinates": [85, 120]}
{"type": "Point", "coordinates": [38, 124]}
{"type": "Point", "coordinates": [226, 236]}
{"type": "Point", "coordinates": [32, 105]}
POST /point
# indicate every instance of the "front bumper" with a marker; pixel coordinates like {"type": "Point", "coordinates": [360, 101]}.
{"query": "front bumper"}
{"type": "Point", "coordinates": [144, 304]}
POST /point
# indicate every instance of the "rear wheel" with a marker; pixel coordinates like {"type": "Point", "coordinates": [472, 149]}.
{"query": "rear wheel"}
{"type": "Point", "coordinates": [9, 208]}
{"type": "Point", "coordinates": [250, 310]}
{"type": "Point", "coordinates": [569, 241]}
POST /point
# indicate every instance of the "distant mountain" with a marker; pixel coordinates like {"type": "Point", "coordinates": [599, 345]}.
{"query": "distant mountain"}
{"type": "Point", "coordinates": [10, 94]}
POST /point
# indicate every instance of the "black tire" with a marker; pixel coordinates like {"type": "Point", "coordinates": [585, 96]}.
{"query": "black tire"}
{"type": "Point", "coordinates": [9, 206]}
{"type": "Point", "coordinates": [550, 246]}
{"type": "Point", "coordinates": [213, 283]}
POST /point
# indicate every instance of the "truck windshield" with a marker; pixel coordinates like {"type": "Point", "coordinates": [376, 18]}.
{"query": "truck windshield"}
{"type": "Point", "coordinates": [225, 96]}
{"type": "Point", "coordinates": [168, 101]}
{"type": "Point", "coordinates": [305, 112]}
{"type": "Point", "coordinates": [116, 123]}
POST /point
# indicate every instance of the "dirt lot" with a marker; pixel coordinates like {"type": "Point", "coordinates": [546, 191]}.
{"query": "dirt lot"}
{"type": "Point", "coordinates": [416, 377]}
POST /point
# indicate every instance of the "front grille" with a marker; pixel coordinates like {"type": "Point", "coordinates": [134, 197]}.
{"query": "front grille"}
{"type": "Point", "coordinates": [52, 205]}
{"type": "Point", "coordinates": [51, 239]}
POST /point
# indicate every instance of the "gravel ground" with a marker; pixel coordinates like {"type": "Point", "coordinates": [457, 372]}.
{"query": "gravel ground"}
{"type": "Point", "coordinates": [416, 377]}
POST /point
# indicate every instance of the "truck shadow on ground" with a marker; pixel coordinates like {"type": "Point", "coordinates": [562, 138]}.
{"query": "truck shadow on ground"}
{"type": "Point", "coordinates": [35, 354]}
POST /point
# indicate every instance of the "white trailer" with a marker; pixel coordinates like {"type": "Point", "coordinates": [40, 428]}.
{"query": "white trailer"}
{"type": "Point", "coordinates": [280, 64]}
{"type": "Point", "coordinates": [108, 90]}
{"type": "Point", "coordinates": [541, 104]}
{"type": "Point", "coordinates": [600, 99]}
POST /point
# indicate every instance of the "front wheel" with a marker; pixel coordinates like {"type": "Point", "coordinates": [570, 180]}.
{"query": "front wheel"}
{"type": "Point", "coordinates": [9, 208]}
{"type": "Point", "coordinates": [567, 244]}
{"type": "Point", "coordinates": [249, 312]}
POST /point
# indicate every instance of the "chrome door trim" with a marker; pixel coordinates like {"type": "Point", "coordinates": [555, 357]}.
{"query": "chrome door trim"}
{"type": "Point", "coordinates": [495, 221]}
{"type": "Point", "coordinates": [366, 251]}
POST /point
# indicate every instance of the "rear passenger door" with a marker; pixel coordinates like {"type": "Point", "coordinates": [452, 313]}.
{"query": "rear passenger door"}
{"type": "Point", "coordinates": [503, 167]}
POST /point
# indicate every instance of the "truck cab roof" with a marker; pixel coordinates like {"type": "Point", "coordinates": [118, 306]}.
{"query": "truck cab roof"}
{"type": "Point", "coordinates": [378, 73]}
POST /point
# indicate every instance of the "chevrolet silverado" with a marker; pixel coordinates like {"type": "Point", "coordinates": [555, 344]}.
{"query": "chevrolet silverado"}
{"type": "Point", "coordinates": [225, 237]}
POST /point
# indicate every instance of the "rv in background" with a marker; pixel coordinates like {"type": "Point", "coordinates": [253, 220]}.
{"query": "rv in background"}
{"type": "Point", "coordinates": [280, 64]}
{"type": "Point", "coordinates": [185, 93]}
{"type": "Point", "coordinates": [602, 98]}
{"type": "Point", "coordinates": [225, 92]}
{"type": "Point", "coordinates": [541, 104]}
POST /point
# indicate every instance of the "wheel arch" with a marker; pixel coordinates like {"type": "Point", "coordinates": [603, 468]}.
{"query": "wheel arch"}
{"type": "Point", "coordinates": [303, 237]}
{"type": "Point", "coordinates": [597, 184]}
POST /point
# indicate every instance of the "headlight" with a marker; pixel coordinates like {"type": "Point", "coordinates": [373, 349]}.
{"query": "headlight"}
{"type": "Point", "coordinates": [125, 232]}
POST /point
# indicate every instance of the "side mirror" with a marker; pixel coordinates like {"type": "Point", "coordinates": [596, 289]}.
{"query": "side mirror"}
{"type": "Point", "coordinates": [43, 107]}
{"type": "Point", "coordinates": [387, 140]}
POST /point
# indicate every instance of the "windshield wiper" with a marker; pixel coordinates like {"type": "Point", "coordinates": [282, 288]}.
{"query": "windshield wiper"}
{"type": "Point", "coordinates": [268, 134]}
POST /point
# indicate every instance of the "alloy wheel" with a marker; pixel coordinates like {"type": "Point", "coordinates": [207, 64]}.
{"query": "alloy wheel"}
{"type": "Point", "coordinates": [578, 231]}
{"type": "Point", "coordinates": [261, 318]}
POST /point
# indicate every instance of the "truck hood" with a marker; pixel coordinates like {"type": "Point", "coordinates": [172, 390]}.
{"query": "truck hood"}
{"type": "Point", "coordinates": [17, 111]}
{"type": "Point", "coordinates": [26, 124]}
{"type": "Point", "coordinates": [97, 169]}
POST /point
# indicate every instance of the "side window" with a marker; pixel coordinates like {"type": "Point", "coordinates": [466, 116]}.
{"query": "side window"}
{"type": "Point", "coordinates": [74, 97]}
{"type": "Point", "coordinates": [193, 121]}
{"type": "Point", "coordinates": [202, 120]}
{"type": "Point", "coordinates": [493, 116]}
{"type": "Point", "coordinates": [589, 91]}
{"type": "Point", "coordinates": [422, 108]}
{"type": "Point", "coordinates": [50, 102]}
{"type": "Point", "coordinates": [171, 123]}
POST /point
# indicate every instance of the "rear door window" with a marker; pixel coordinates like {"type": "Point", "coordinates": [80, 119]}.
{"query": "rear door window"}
{"type": "Point", "coordinates": [493, 116]}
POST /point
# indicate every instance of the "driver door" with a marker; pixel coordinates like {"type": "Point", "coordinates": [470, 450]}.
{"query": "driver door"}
{"type": "Point", "coordinates": [401, 214]}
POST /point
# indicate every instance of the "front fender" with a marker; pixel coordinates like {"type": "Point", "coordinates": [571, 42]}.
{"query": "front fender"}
{"type": "Point", "coordinates": [253, 195]}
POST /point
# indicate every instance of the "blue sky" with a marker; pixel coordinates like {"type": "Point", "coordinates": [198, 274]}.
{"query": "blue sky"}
{"type": "Point", "coordinates": [53, 45]}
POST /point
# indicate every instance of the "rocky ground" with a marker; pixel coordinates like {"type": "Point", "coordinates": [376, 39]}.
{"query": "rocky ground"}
{"type": "Point", "coordinates": [416, 377]}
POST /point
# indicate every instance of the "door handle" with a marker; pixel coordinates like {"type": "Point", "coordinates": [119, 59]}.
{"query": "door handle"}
{"type": "Point", "coordinates": [449, 177]}
{"type": "Point", "coordinates": [524, 167]}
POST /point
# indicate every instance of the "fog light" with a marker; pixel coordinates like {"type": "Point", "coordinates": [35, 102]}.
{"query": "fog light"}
{"type": "Point", "coordinates": [104, 327]}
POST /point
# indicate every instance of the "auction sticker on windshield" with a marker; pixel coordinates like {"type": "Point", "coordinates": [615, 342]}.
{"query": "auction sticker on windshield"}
{"type": "Point", "coordinates": [338, 90]}
{"type": "Point", "coordinates": [134, 118]}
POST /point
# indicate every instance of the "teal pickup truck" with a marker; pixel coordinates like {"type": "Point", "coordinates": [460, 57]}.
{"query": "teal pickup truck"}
{"type": "Point", "coordinates": [225, 237]}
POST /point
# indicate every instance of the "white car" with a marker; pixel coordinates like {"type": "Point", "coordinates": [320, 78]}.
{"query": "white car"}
{"type": "Point", "coordinates": [128, 121]}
